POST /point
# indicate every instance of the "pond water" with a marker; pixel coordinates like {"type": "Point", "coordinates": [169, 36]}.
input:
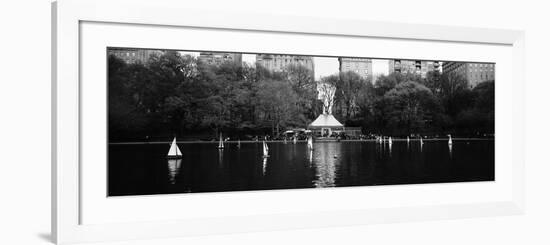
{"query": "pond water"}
{"type": "Point", "coordinates": [142, 169]}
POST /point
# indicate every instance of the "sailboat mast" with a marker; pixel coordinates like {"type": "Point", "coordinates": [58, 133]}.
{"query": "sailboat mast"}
{"type": "Point", "coordinates": [174, 143]}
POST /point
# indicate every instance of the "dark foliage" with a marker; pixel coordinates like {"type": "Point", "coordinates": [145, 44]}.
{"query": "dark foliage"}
{"type": "Point", "coordinates": [176, 94]}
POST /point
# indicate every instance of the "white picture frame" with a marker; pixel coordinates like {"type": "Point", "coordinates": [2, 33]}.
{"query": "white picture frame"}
{"type": "Point", "coordinates": [67, 17]}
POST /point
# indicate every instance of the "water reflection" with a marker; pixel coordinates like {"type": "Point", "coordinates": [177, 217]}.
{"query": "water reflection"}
{"type": "Point", "coordinates": [143, 169]}
{"type": "Point", "coordinates": [310, 158]}
{"type": "Point", "coordinates": [173, 169]}
{"type": "Point", "coordinates": [220, 158]}
{"type": "Point", "coordinates": [327, 159]}
{"type": "Point", "coordinates": [264, 165]}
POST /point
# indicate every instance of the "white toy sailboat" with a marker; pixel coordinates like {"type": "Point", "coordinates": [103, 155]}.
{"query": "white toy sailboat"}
{"type": "Point", "coordinates": [421, 142]}
{"type": "Point", "coordinates": [408, 139]}
{"type": "Point", "coordinates": [239, 143]}
{"type": "Point", "coordinates": [450, 140]}
{"type": "Point", "coordinates": [220, 143]}
{"type": "Point", "coordinates": [310, 143]}
{"type": "Point", "coordinates": [174, 152]}
{"type": "Point", "coordinates": [295, 140]}
{"type": "Point", "coordinates": [390, 141]}
{"type": "Point", "coordinates": [265, 150]}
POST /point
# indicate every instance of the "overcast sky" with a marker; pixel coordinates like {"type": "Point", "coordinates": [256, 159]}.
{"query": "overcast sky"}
{"type": "Point", "coordinates": [324, 66]}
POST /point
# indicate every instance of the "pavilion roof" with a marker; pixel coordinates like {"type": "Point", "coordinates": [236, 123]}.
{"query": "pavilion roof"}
{"type": "Point", "coordinates": [326, 120]}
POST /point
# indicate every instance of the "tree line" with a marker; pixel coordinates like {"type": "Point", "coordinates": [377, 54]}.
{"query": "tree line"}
{"type": "Point", "coordinates": [175, 94]}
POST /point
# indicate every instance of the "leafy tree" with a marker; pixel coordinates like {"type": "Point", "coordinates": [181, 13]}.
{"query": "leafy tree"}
{"type": "Point", "coordinates": [454, 93]}
{"type": "Point", "coordinates": [301, 79]}
{"type": "Point", "coordinates": [126, 110]}
{"type": "Point", "coordinates": [365, 102]}
{"type": "Point", "coordinates": [411, 106]}
{"type": "Point", "coordinates": [299, 76]}
{"type": "Point", "coordinates": [385, 83]}
{"type": "Point", "coordinates": [348, 89]}
{"type": "Point", "coordinates": [278, 106]}
{"type": "Point", "coordinates": [433, 82]}
{"type": "Point", "coordinates": [479, 119]}
{"type": "Point", "coordinates": [485, 96]}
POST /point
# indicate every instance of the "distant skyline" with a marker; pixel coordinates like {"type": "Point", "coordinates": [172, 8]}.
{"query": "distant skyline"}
{"type": "Point", "coordinates": [324, 66]}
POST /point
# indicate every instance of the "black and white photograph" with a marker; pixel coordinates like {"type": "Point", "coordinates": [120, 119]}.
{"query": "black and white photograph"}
{"type": "Point", "coordinates": [183, 121]}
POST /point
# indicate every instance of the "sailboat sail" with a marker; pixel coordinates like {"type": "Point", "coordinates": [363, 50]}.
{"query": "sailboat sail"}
{"type": "Point", "coordinates": [310, 143]}
{"type": "Point", "coordinates": [174, 151]}
{"type": "Point", "coordinates": [265, 149]}
{"type": "Point", "coordinates": [220, 143]}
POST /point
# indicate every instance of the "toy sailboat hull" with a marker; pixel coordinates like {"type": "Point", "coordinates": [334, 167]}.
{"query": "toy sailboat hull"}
{"type": "Point", "coordinates": [174, 157]}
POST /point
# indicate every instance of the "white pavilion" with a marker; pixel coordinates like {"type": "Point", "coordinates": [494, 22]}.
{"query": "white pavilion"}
{"type": "Point", "coordinates": [325, 125]}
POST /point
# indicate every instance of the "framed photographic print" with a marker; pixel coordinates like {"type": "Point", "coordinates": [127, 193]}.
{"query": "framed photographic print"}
{"type": "Point", "coordinates": [168, 125]}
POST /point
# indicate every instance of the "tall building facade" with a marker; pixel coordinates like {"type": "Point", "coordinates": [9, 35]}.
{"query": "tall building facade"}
{"type": "Point", "coordinates": [132, 55]}
{"type": "Point", "coordinates": [420, 67]}
{"type": "Point", "coordinates": [218, 58]}
{"type": "Point", "coordinates": [361, 66]}
{"type": "Point", "coordinates": [279, 62]}
{"type": "Point", "coordinates": [475, 73]}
